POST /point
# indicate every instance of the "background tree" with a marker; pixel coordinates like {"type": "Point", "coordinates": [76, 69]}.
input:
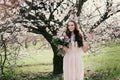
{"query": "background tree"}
{"type": "Point", "coordinates": [44, 17]}
{"type": "Point", "coordinates": [9, 45]}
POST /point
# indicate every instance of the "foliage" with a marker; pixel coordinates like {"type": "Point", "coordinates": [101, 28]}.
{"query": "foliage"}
{"type": "Point", "coordinates": [107, 67]}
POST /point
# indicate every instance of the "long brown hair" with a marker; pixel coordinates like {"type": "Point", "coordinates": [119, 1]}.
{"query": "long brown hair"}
{"type": "Point", "coordinates": [78, 36]}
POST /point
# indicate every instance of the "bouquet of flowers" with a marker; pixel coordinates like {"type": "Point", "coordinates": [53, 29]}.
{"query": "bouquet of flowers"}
{"type": "Point", "coordinates": [62, 40]}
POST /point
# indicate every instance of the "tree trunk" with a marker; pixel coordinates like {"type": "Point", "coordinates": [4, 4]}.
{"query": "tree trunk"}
{"type": "Point", "coordinates": [5, 55]}
{"type": "Point", "coordinates": [57, 62]}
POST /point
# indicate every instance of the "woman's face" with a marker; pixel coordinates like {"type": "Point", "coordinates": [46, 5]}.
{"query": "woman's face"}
{"type": "Point", "coordinates": [71, 26]}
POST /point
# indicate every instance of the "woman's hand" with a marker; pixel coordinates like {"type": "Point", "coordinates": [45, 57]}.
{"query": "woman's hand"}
{"type": "Point", "coordinates": [63, 47]}
{"type": "Point", "coordinates": [60, 46]}
{"type": "Point", "coordinates": [90, 36]}
{"type": "Point", "coordinates": [85, 44]}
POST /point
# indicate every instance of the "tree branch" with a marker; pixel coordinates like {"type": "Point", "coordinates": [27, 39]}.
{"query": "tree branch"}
{"type": "Point", "coordinates": [33, 30]}
{"type": "Point", "coordinates": [51, 12]}
{"type": "Point", "coordinates": [79, 4]}
{"type": "Point", "coordinates": [105, 16]}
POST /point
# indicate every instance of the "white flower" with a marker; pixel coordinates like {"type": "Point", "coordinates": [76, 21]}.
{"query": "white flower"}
{"type": "Point", "coordinates": [61, 37]}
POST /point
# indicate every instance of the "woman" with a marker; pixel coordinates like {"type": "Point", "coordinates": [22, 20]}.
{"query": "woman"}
{"type": "Point", "coordinates": [72, 62]}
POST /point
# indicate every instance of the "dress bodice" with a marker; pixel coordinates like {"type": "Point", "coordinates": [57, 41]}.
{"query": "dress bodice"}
{"type": "Point", "coordinates": [73, 43]}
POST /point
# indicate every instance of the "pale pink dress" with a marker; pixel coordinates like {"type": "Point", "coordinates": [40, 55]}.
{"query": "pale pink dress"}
{"type": "Point", "coordinates": [73, 68]}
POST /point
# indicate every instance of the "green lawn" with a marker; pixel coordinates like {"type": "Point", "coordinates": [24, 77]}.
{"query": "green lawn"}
{"type": "Point", "coordinates": [104, 66]}
{"type": "Point", "coordinates": [38, 61]}
{"type": "Point", "coordinates": [37, 65]}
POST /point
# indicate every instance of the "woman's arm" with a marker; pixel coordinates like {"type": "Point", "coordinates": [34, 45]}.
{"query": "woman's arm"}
{"type": "Point", "coordinates": [86, 44]}
{"type": "Point", "coordinates": [60, 46]}
{"type": "Point", "coordinates": [63, 47]}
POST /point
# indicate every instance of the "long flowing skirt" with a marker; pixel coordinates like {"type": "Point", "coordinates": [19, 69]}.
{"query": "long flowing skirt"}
{"type": "Point", "coordinates": [73, 68]}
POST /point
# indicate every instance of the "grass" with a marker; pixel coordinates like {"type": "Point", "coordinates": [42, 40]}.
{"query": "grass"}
{"type": "Point", "coordinates": [39, 61]}
{"type": "Point", "coordinates": [37, 65]}
{"type": "Point", "coordinates": [104, 66]}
